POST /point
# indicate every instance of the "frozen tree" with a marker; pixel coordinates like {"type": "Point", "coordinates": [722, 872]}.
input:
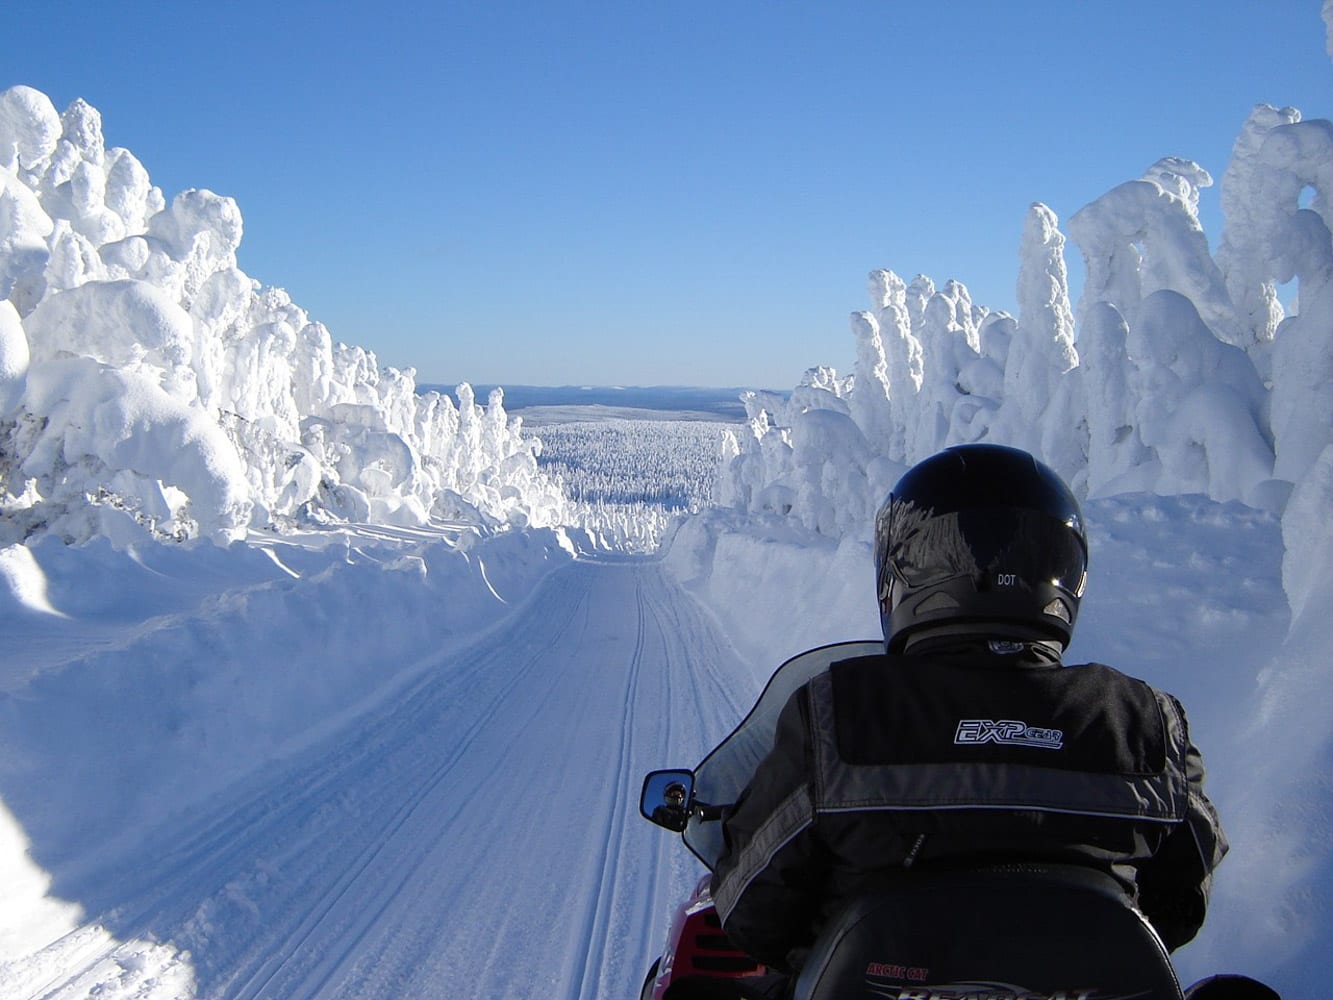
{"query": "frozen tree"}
{"type": "Point", "coordinates": [1117, 456]}
{"type": "Point", "coordinates": [1242, 255]}
{"type": "Point", "coordinates": [1145, 235]}
{"type": "Point", "coordinates": [14, 360]}
{"type": "Point", "coordinates": [871, 402]}
{"type": "Point", "coordinates": [950, 344]}
{"type": "Point", "coordinates": [918, 293]}
{"type": "Point", "coordinates": [1041, 349]}
{"type": "Point", "coordinates": [1185, 377]}
{"type": "Point", "coordinates": [29, 130]}
{"type": "Point", "coordinates": [903, 358]}
{"type": "Point", "coordinates": [1294, 243]}
{"type": "Point", "coordinates": [1199, 403]}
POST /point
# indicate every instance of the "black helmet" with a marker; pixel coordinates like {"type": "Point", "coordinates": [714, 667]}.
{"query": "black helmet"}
{"type": "Point", "coordinates": [980, 540]}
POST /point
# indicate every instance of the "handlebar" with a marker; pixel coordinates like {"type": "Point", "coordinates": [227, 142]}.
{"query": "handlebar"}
{"type": "Point", "coordinates": [707, 813]}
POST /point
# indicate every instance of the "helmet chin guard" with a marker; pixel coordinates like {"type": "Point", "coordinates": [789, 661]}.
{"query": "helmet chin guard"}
{"type": "Point", "coordinates": [980, 540]}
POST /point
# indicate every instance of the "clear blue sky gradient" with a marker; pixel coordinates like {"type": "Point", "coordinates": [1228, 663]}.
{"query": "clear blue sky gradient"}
{"type": "Point", "coordinates": [666, 193]}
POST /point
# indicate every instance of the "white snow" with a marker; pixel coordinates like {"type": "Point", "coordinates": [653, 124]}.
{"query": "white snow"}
{"type": "Point", "coordinates": [311, 689]}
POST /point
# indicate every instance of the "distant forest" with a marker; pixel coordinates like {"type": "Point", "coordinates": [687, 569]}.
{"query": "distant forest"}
{"type": "Point", "coordinates": [725, 404]}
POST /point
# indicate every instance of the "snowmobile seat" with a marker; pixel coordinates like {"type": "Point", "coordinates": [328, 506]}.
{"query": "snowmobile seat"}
{"type": "Point", "coordinates": [1015, 932]}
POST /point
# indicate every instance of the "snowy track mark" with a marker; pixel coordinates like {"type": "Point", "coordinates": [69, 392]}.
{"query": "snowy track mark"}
{"type": "Point", "coordinates": [474, 834]}
{"type": "Point", "coordinates": [598, 924]}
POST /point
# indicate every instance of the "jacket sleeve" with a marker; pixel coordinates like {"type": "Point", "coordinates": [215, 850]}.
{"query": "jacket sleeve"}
{"type": "Point", "coordinates": [1175, 882]}
{"type": "Point", "coordinates": [766, 883]}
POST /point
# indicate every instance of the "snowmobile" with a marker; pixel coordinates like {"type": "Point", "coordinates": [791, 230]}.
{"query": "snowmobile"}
{"type": "Point", "coordinates": [1009, 932]}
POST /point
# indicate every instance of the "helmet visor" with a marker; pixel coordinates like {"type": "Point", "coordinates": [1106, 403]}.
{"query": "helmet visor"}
{"type": "Point", "coordinates": [997, 547]}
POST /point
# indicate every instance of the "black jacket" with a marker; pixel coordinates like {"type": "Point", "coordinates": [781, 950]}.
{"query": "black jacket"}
{"type": "Point", "coordinates": [965, 757]}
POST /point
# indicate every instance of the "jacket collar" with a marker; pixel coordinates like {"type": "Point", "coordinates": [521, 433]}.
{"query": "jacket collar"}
{"type": "Point", "coordinates": [974, 651]}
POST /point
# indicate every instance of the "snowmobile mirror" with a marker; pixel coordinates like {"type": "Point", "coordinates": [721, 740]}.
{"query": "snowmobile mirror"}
{"type": "Point", "coordinates": [667, 799]}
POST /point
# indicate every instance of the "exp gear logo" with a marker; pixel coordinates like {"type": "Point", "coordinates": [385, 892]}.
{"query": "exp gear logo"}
{"type": "Point", "coordinates": [1009, 732]}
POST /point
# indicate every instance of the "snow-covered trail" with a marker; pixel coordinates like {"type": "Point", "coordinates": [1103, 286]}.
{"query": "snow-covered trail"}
{"type": "Point", "coordinates": [473, 836]}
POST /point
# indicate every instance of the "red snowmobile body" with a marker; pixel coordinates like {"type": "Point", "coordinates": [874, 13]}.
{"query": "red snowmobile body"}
{"type": "Point", "coordinates": [697, 948]}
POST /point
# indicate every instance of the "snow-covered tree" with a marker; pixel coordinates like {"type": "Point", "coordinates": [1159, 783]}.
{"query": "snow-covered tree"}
{"type": "Point", "coordinates": [125, 323]}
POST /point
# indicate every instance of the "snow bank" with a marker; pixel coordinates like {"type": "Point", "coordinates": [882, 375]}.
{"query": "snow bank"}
{"type": "Point", "coordinates": [189, 692]}
{"type": "Point", "coordinates": [778, 589]}
{"type": "Point", "coordinates": [1273, 908]}
{"type": "Point", "coordinates": [270, 424]}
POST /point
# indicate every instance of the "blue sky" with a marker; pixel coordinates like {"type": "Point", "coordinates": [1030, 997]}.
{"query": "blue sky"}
{"type": "Point", "coordinates": [632, 193]}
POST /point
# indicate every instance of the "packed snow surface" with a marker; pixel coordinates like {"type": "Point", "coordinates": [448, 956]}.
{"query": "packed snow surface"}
{"type": "Point", "coordinates": [458, 829]}
{"type": "Point", "coordinates": [313, 687]}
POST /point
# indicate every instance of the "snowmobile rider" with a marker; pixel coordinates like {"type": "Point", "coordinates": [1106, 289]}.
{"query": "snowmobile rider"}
{"type": "Point", "coordinates": [672, 813]}
{"type": "Point", "coordinates": [967, 744]}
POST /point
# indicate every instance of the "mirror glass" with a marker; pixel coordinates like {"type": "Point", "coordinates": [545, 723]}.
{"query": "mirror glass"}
{"type": "Point", "coordinates": [666, 798]}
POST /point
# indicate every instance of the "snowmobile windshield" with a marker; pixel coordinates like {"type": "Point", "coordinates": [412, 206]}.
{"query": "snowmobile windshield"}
{"type": "Point", "coordinates": [724, 773]}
